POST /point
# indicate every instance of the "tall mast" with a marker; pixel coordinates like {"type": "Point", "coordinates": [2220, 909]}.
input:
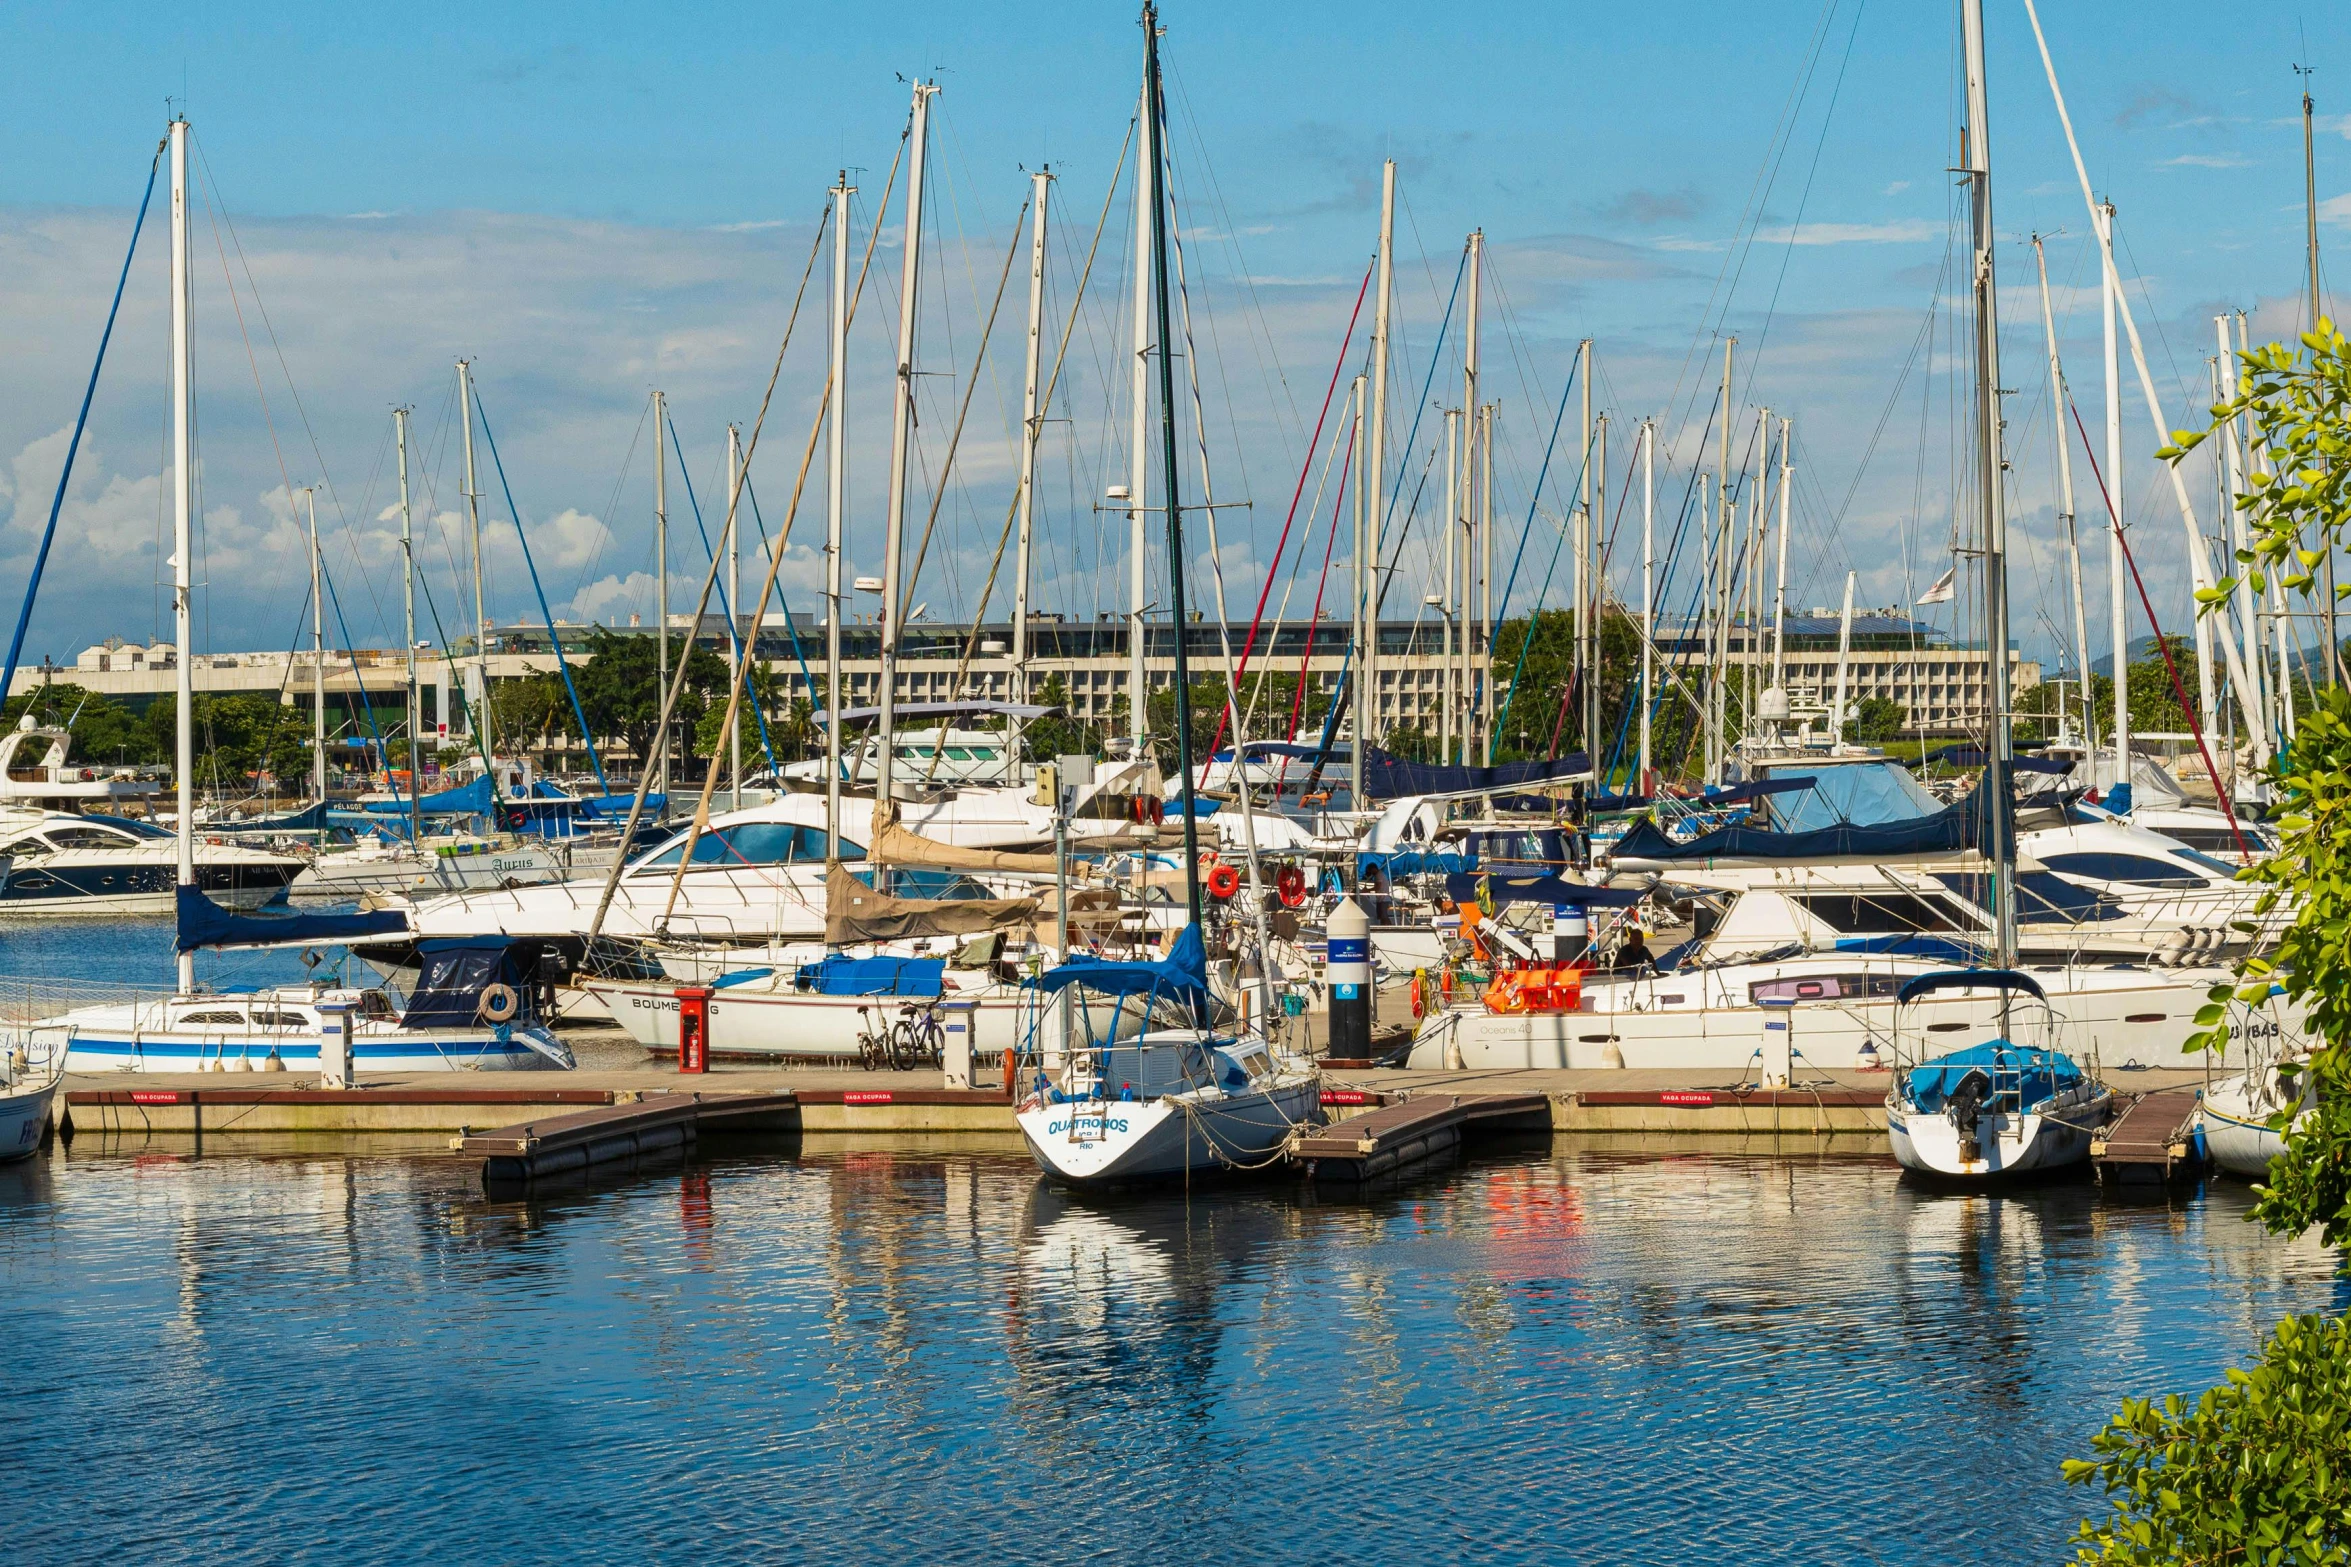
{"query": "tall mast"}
{"type": "Point", "coordinates": [901, 441]}
{"type": "Point", "coordinates": [183, 497]}
{"type": "Point", "coordinates": [478, 702]}
{"type": "Point", "coordinates": [1155, 106]}
{"type": "Point", "coordinates": [1583, 546]}
{"type": "Point", "coordinates": [1449, 697]}
{"type": "Point", "coordinates": [1718, 590]}
{"type": "Point", "coordinates": [1779, 588]}
{"type": "Point", "coordinates": [1367, 702]}
{"type": "Point", "coordinates": [318, 652]}
{"type": "Point", "coordinates": [1466, 515]}
{"type": "Point", "coordinates": [1977, 158]}
{"type": "Point", "coordinates": [1031, 427]}
{"type": "Point", "coordinates": [1366, 607]}
{"type": "Point", "coordinates": [1751, 564]}
{"type": "Point", "coordinates": [836, 503]}
{"type": "Point", "coordinates": [2232, 485]}
{"type": "Point", "coordinates": [661, 564]}
{"type": "Point", "coordinates": [1595, 523]}
{"type": "Point", "coordinates": [1139, 422]}
{"type": "Point", "coordinates": [1485, 645]}
{"type": "Point", "coordinates": [2117, 567]}
{"type": "Point", "coordinates": [408, 618]}
{"type": "Point", "coordinates": [1648, 591]}
{"type": "Point", "coordinates": [734, 608]}
{"type": "Point", "coordinates": [2059, 401]}
{"type": "Point", "coordinates": [2318, 314]}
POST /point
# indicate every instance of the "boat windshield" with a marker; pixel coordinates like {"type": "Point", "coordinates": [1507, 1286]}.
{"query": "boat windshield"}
{"type": "Point", "coordinates": [131, 825]}
{"type": "Point", "coordinates": [753, 843]}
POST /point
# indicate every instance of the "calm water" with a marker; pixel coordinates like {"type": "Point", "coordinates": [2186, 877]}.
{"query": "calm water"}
{"type": "Point", "coordinates": [903, 1356]}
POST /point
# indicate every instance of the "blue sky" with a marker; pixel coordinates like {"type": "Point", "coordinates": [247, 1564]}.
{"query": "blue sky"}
{"type": "Point", "coordinates": [594, 200]}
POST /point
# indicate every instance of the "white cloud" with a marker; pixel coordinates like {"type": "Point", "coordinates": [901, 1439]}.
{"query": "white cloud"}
{"type": "Point", "coordinates": [2206, 160]}
{"type": "Point", "coordinates": [1902, 231]}
{"type": "Point", "coordinates": [1896, 188]}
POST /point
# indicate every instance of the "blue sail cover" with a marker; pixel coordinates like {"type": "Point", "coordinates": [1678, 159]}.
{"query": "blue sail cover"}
{"type": "Point", "coordinates": [1182, 974]}
{"type": "Point", "coordinates": [204, 923]}
{"type": "Point", "coordinates": [838, 975]}
{"type": "Point", "coordinates": [473, 799]}
{"type": "Point", "coordinates": [1542, 889]}
{"type": "Point", "coordinates": [1952, 830]}
{"type": "Point", "coordinates": [2033, 1076]}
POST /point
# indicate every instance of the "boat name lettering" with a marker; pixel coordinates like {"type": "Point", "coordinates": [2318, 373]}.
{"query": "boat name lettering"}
{"type": "Point", "coordinates": [1087, 1123]}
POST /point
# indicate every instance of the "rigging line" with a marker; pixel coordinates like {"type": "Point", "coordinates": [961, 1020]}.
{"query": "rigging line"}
{"type": "Point", "coordinates": [1045, 402]}
{"type": "Point", "coordinates": [562, 665]}
{"type": "Point", "coordinates": [1314, 620]}
{"type": "Point", "coordinates": [1338, 368]}
{"type": "Point", "coordinates": [2162, 643]}
{"type": "Point", "coordinates": [81, 422]}
{"type": "Point", "coordinates": [366, 705]}
{"type": "Point", "coordinates": [1510, 585]}
{"type": "Point", "coordinates": [220, 208]}
{"type": "Point", "coordinates": [955, 437]}
{"type": "Point", "coordinates": [1297, 562]}
{"type": "Point", "coordinates": [1436, 350]}
{"type": "Point", "coordinates": [751, 493]}
{"type": "Point", "coordinates": [268, 419]}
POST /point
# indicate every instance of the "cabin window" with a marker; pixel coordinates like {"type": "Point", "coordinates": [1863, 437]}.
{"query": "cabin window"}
{"type": "Point", "coordinates": [2041, 899]}
{"type": "Point", "coordinates": [2138, 870]}
{"type": "Point", "coordinates": [196, 1019]}
{"type": "Point", "coordinates": [756, 843]}
{"type": "Point", "coordinates": [87, 838]}
{"type": "Point", "coordinates": [1879, 913]}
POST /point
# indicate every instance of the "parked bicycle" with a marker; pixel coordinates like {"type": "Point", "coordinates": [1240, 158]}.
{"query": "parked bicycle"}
{"type": "Point", "coordinates": [875, 1041]}
{"type": "Point", "coordinates": [918, 1040]}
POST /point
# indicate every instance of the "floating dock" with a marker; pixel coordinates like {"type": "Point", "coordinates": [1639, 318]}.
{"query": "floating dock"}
{"type": "Point", "coordinates": [1398, 1137]}
{"type": "Point", "coordinates": [2151, 1140]}
{"type": "Point", "coordinates": [659, 1123]}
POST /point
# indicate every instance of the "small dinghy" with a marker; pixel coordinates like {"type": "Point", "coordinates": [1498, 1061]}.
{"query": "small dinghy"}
{"type": "Point", "coordinates": [2002, 1107]}
{"type": "Point", "coordinates": [1151, 1102]}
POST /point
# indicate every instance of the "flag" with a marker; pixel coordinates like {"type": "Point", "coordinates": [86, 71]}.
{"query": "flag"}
{"type": "Point", "coordinates": [1946, 588]}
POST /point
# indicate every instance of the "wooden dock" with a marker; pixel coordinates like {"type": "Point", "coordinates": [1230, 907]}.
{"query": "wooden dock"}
{"type": "Point", "coordinates": [2150, 1140]}
{"type": "Point", "coordinates": [659, 1123]}
{"type": "Point", "coordinates": [1399, 1136]}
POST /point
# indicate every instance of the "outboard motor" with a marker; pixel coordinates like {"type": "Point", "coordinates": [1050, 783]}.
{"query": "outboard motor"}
{"type": "Point", "coordinates": [1965, 1107]}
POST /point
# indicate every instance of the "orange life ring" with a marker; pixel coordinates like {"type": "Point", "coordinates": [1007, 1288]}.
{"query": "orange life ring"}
{"type": "Point", "coordinates": [1223, 882]}
{"type": "Point", "coordinates": [1139, 810]}
{"type": "Point", "coordinates": [1420, 1003]}
{"type": "Point", "coordinates": [1290, 886]}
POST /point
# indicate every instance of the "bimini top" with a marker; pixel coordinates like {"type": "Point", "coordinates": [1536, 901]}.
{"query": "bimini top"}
{"type": "Point", "coordinates": [1182, 974]}
{"type": "Point", "coordinates": [1969, 979]}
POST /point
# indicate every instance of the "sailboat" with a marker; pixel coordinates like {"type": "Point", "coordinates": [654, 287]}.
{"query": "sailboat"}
{"type": "Point", "coordinates": [476, 1004]}
{"type": "Point", "coordinates": [2000, 1106]}
{"type": "Point", "coordinates": [27, 1085]}
{"type": "Point", "coordinates": [1176, 1097]}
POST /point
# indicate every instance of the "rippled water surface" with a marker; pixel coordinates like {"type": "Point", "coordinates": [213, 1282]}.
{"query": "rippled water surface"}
{"type": "Point", "coordinates": [1563, 1355]}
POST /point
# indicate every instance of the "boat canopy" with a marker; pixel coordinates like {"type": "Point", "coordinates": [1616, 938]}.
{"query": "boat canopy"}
{"type": "Point", "coordinates": [459, 970]}
{"type": "Point", "coordinates": [2033, 1076]}
{"type": "Point", "coordinates": [1182, 974]}
{"type": "Point", "coordinates": [1020, 710]}
{"type": "Point", "coordinates": [1864, 794]}
{"type": "Point", "coordinates": [1970, 979]}
{"type": "Point", "coordinates": [204, 923]}
{"type": "Point", "coordinates": [1950, 830]}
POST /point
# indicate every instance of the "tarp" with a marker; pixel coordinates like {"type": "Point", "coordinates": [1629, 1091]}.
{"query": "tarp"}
{"type": "Point", "coordinates": [1413, 862]}
{"type": "Point", "coordinates": [1952, 829]}
{"type": "Point", "coordinates": [1182, 974]}
{"type": "Point", "coordinates": [840, 975]}
{"type": "Point", "coordinates": [455, 972]}
{"type": "Point", "coordinates": [1541, 889]}
{"type": "Point", "coordinates": [2033, 1076]}
{"type": "Point", "coordinates": [1866, 794]}
{"type": "Point", "coordinates": [895, 845]}
{"type": "Point", "coordinates": [855, 912]}
{"type": "Point", "coordinates": [204, 923]}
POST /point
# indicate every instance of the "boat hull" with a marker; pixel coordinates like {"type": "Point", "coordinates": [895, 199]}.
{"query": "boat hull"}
{"type": "Point", "coordinates": [24, 1114]}
{"type": "Point", "coordinates": [2006, 1144]}
{"type": "Point", "coordinates": [1120, 1142]}
{"type": "Point", "coordinates": [2234, 1116]}
{"type": "Point", "coordinates": [787, 1024]}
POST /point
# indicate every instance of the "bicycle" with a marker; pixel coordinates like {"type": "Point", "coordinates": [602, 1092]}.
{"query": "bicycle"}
{"type": "Point", "coordinates": [917, 1040]}
{"type": "Point", "coordinates": [874, 1042]}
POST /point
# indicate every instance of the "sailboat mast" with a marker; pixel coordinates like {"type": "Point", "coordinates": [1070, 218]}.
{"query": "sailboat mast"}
{"type": "Point", "coordinates": [2065, 508]}
{"type": "Point", "coordinates": [1779, 587]}
{"type": "Point", "coordinates": [1485, 644]}
{"type": "Point", "coordinates": [2118, 608]}
{"type": "Point", "coordinates": [1648, 592]}
{"type": "Point", "coordinates": [1139, 424]}
{"type": "Point", "coordinates": [901, 442]}
{"type": "Point", "coordinates": [1463, 535]}
{"type": "Point", "coordinates": [1977, 159]}
{"type": "Point", "coordinates": [2318, 314]}
{"type": "Point", "coordinates": [1366, 606]}
{"type": "Point", "coordinates": [480, 703]}
{"type": "Point", "coordinates": [1718, 591]}
{"type": "Point", "coordinates": [661, 563]}
{"type": "Point", "coordinates": [1448, 698]}
{"type": "Point", "coordinates": [1583, 547]}
{"type": "Point", "coordinates": [1367, 699]}
{"type": "Point", "coordinates": [734, 606]}
{"type": "Point", "coordinates": [836, 504]}
{"type": "Point", "coordinates": [1031, 427]}
{"type": "Point", "coordinates": [1155, 109]}
{"type": "Point", "coordinates": [183, 486]}
{"type": "Point", "coordinates": [318, 654]}
{"type": "Point", "coordinates": [2232, 485]}
{"type": "Point", "coordinates": [408, 619]}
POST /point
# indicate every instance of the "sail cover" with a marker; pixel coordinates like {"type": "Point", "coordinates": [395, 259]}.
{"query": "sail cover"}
{"type": "Point", "coordinates": [204, 923]}
{"type": "Point", "coordinates": [855, 912]}
{"type": "Point", "coordinates": [1954, 829]}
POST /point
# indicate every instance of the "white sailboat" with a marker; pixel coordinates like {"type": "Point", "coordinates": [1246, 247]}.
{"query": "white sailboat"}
{"type": "Point", "coordinates": [2004, 1107]}
{"type": "Point", "coordinates": [27, 1086]}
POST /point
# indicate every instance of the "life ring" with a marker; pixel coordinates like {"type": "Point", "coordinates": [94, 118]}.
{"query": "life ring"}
{"type": "Point", "coordinates": [1290, 886]}
{"type": "Point", "coordinates": [500, 1003]}
{"type": "Point", "coordinates": [1223, 882]}
{"type": "Point", "coordinates": [1420, 1002]}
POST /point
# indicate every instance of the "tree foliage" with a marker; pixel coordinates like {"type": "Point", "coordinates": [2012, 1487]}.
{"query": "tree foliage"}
{"type": "Point", "coordinates": [1877, 719]}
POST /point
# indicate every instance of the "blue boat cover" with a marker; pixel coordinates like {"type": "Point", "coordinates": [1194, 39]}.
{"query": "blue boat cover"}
{"type": "Point", "coordinates": [2033, 1076]}
{"type": "Point", "coordinates": [1182, 974]}
{"type": "Point", "coordinates": [204, 923]}
{"type": "Point", "coordinates": [1867, 794]}
{"type": "Point", "coordinates": [839, 975]}
{"type": "Point", "coordinates": [1970, 979]}
{"type": "Point", "coordinates": [1540, 889]}
{"type": "Point", "coordinates": [456, 970]}
{"type": "Point", "coordinates": [1412, 862]}
{"type": "Point", "coordinates": [1951, 830]}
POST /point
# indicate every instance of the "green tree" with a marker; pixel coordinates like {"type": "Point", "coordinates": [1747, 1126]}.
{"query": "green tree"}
{"type": "Point", "coordinates": [1539, 716]}
{"type": "Point", "coordinates": [1877, 719]}
{"type": "Point", "coordinates": [106, 733]}
{"type": "Point", "coordinates": [1046, 738]}
{"type": "Point", "coordinates": [620, 687]}
{"type": "Point", "coordinates": [2259, 1470]}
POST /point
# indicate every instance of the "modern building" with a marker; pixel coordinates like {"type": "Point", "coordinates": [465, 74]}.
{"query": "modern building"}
{"type": "Point", "coordinates": [1944, 686]}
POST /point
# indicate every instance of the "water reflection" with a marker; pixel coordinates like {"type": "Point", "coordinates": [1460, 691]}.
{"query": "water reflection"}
{"type": "Point", "coordinates": [1573, 1353]}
